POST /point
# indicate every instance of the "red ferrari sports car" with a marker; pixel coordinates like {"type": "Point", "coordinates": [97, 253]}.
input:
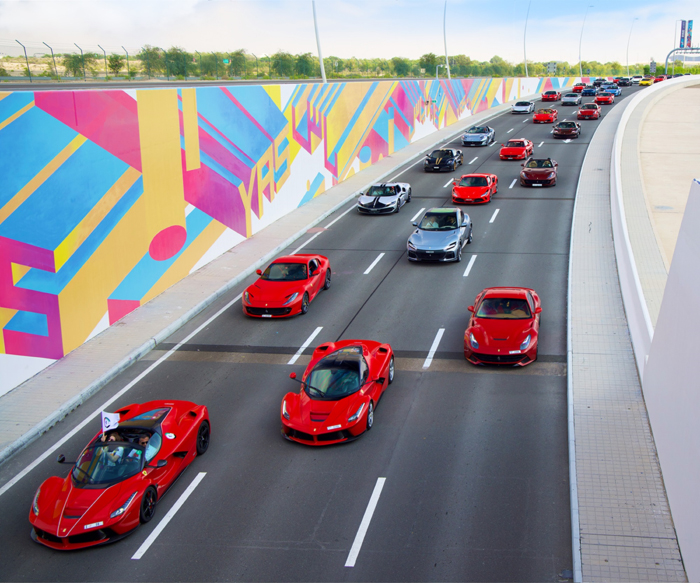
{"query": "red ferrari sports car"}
{"type": "Point", "coordinates": [578, 87]}
{"type": "Point", "coordinates": [604, 98]}
{"type": "Point", "coordinates": [545, 116]}
{"type": "Point", "coordinates": [589, 111]}
{"type": "Point", "coordinates": [504, 326]}
{"type": "Point", "coordinates": [474, 188]}
{"type": "Point", "coordinates": [551, 96]}
{"type": "Point", "coordinates": [287, 286]}
{"type": "Point", "coordinates": [120, 476]}
{"type": "Point", "coordinates": [516, 149]}
{"type": "Point", "coordinates": [339, 391]}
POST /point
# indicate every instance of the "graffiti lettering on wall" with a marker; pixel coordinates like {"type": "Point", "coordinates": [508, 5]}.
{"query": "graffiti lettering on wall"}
{"type": "Point", "coordinates": [107, 198]}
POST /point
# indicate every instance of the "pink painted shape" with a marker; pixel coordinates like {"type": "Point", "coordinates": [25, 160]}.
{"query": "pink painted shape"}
{"type": "Point", "coordinates": [117, 309]}
{"type": "Point", "coordinates": [107, 118]}
{"type": "Point", "coordinates": [167, 243]}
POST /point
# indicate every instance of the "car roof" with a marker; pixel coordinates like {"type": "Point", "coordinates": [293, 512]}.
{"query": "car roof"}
{"type": "Point", "coordinates": [292, 259]}
{"type": "Point", "coordinates": [517, 140]}
{"type": "Point", "coordinates": [499, 292]}
{"type": "Point", "coordinates": [445, 210]}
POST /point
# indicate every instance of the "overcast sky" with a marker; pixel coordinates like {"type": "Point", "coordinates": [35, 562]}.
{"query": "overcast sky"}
{"type": "Point", "coordinates": [353, 28]}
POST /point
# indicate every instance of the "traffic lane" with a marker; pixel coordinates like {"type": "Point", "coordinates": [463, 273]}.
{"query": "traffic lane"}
{"type": "Point", "coordinates": [478, 488]}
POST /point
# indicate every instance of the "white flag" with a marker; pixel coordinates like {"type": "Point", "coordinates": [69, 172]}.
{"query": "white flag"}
{"type": "Point", "coordinates": [109, 421]}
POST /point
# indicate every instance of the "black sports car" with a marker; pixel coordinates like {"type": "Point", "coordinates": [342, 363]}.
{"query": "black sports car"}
{"type": "Point", "coordinates": [444, 159]}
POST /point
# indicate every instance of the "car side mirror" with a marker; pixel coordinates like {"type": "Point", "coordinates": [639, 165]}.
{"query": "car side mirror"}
{"type": "Point", "coordinates": [503, 145]}
{"type": "Point", "coordinates": [465, 223]}
{"type": "Point", "coordinates": [555, 164]}
{"type": "Point", "coordinates": [414, 223]}
{"type": "Point", "coordinates": [523, 165]}
{"type": "Point", "coordinates": [258, 271]}
{"type": "Point", "coordinates": [293, 375]}
{"type": "Point", "coordinates": [538, 310]}
{"type": "Point", "coordinates": [60, 458]}
{"type": "Point", "coordinates": [161, 463]}
{"type": "Point", "coordinates": [471, 308]}
{"type": "Point", "coordinates": [380, 380]}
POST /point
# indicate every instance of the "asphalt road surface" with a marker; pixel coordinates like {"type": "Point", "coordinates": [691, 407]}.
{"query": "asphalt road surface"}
{"type": "Point", "coordinates": [474, 459]}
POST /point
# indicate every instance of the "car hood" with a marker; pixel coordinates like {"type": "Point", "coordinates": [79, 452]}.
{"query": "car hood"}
{"type": "Point", "coordinates": [536, 172]}
{"type": "Point", "coordinates": [587, 111]}
{"type": "Point", "coordinates": [272, 292]}
{"type": "Point", "coordinates": [503, 334]}
{"type": "Point", "coordinates": [317, 414]}
{"type": "Point", "coordinates": [470, 191]}
{"type": "Point", "coordinates": [474, 137]}
{"type": "Point", "coordinates": [505, 151]}
{"type": "Point", "coordinates": [521, 108]}
{"type": "Point", "coordinates": [376, 201]}
{"type": "Point", "coordinates": [543, 115]}
{"type": "Point", "coordinates": [433, 240]}
{"type": "Point", "coordinates": [571, 98]}
{"type": "Point", "coordinates": [442, 160]}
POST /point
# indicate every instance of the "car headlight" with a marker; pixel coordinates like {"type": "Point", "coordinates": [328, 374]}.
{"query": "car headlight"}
{"type": "Point", "coordinates": [551, 175]}
{"type": "Point", "coordinates": [483, 138]}
{"type": "Point", "coordinates": [357, 414]}
{"type": "Point", "coordinates": [293, 297]}
{"type": "Point", "coordinates": [451, 246]}
{"type": "Point", "coordinates": [526, 342]}
{"type": "Point", "coordinates": [35, 503]}
{"type": "Point", "coordinates": [411, 245]}
{"type": "Point", "coordinates": [246, 297]}
{"type": "Point", "coordinates": [473, 342]}
{"type": "Point", "coordinates": [285, 413]}
{"type": "Point", "coordinates": [122, 509]}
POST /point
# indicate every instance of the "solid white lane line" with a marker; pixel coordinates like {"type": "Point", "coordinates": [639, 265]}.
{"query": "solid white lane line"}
{"type": "Point", "coordinates": [405, 169]}
{"type": "Point", "coordinates": [433, 348]}
{"type": "Point", "coordinates": [373, 263]}
{"type": "Point", "coordinates": [492, 145]}
{"type": "Point", "coordinates": [495, 214]}
{"type": "Point", "coordinates": [540, 144]}
{"type": "Point", "coordinates": [448, 183]}
{"type": "Point", "coordinates": [512, 184]}
{"type": "Point", "coordinates": [106, 404]}
{"type": "Point", "coordinates": [510, 130]}
{"type": "Point", "coordinates": [305, 243]}
{"type": "Point", "coordinates": [526, 120]}
{"type": "Point", "coordinates": [474, 160]}
{"type": "Point", "coordinates": [417, 215]}
{"type": "Point", "coordinates": [364, 525]}
{"type": "Point", "coordinates": [168, 517]}
{"type": "Point", "coordinates": [334, 221]}
{"type": "Point", "coordinates": [304, 346]}
{"type": "Point", "coordinates": [469, 267]}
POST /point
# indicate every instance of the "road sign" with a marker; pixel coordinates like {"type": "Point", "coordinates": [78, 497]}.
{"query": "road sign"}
{"type": "Point", "coordinates": [652, 67]}
{"type": "Point", "coordinates": [588, 71]}
{"type": "Point", "coordinates": [225, 61]}
{"type": "Point", "coordinates": [551, 68]}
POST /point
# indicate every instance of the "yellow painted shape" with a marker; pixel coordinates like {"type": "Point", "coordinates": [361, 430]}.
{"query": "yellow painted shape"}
{"type": "Point", "coordinates": [82, 302]}
{"type": "Point", "coordinates": [191, 125]}
{"type": "Point", "coordinates": [275, 93]}
{"type": "Point", "coordinates": [187, 260]}
{"type": "Point", "coordinates": [391, 136]}
{"type": "Point", "coordinates": [4, 94]}
{"type": "Point", "coordinates": [321, 188]}
{"type": "Point", "coordinates": [28, 189]}
{"type": "Point", "coordinates": [83, 229]}
{"type": "Point", "coordinates": [161, 159]}
{"type": "Point", "coordinates": [18, 272]}
{"type": "Point", "coordinates": [6, 314]}
{"type": "Point", "coordinates": [15, 115]}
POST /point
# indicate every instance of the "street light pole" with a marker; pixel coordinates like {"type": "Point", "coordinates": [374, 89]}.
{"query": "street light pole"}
{"type": "Point", "coordinates": [26, 59]}
{"type": "Point", "coordinates": [318, 44]}
{"type": "Point", "coordinates": [82, 56]}
{"type": "Point", "coordinates": [436, 71]}
{"type": "Point", "coordinates": [444, 34]}
{"type": "Point", "coordinates": [55, 69]}
{"type": "Point", "coordinates": [580, 64]}
{"type": "Point", "coordinates": [105, 54]}
{"type": "Point", "coordinates": [525, 37]}
{"type": "Point", "coordinates": [128, 70]}
{"type": "Point", "coordinates": [628, 47]}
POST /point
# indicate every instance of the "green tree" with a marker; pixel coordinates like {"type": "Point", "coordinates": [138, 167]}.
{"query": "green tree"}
{"type": "Point", "coordinates": [428, 62]}
{"type": "Point", "coordinates": [237, 63]}
{"type": "Point", "coordinates": [176, 61]}
{"type": "Point", "coordinates": [115, 63]}
{"type": "Point", "coordinates": [283, 64]}
{"type": "Point", "coordinates": [615, 68]}
{"type": "Point", "coordinates": [402, 67]}
{"type": "Point", "coordinates": [304, 65]}
{"type": "Point", "coordinates": [152, 59]}
{"type": "Point", "coordinates": [76, 64]}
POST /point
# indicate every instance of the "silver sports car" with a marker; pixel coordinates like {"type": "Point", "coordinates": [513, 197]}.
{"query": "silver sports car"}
{"type": "Point", "coordinates": [385, 198]}
{"type": "Point", "coordinates": [479, 136]}
{"type": "Point", "coordinates": [571, 99]}
{"type": "Point", "coordinates": [440, 235]}
{"type": "Point", "coordinates": [522, 107]}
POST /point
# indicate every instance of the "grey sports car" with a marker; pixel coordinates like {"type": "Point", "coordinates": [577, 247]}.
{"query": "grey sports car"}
{"type": "Point", "coordinates": [440, 235]}
{"type": "Point", "coordinates": [522, 107]}
{"type": "Point", "coordinates": [385, 198]}
{"type": "Point", "coordinates": [571, 99]}
{"type": "Point", "coordinates": [479, 136]}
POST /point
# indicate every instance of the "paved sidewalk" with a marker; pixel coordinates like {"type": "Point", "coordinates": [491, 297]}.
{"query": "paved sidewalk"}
{"type": "Point", "coordinates": [36, 405]}
{"type": "Point", "coordinates": [626, 528]}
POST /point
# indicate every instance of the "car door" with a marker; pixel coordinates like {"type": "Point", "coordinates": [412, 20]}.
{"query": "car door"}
{"type": "Point", "coordinates": [316, 281]}
{"type": "Point", "coordinates": [534, 301]}
{"type": "Point", "coordinates": [463, 231]}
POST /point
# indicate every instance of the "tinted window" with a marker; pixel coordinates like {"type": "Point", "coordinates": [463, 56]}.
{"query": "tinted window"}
{"type": "Point", "coordinates": [477, 130]}
{"type": "Point", "coordinates": [473, 181]}
{"type": "Point", "coordinates": [515, 145]}
{"type": "Point", "coordinates": [567, 124]}
{"type": "Point", "coordinates": [285, 272]}
{"type": "Point", "coordinates": [382, 191]}
{"type": "Point", "coordinates": [438, 221]}
{"type": "Point", "coordinates": [151, 415]}
{"type": "Point", "coordinates": [539, 164]}
{"type": "Point", "coordinates": [107, 463]}
{"type": "Point", "coordinates": [441, 154]}
{"type": "Point", "coordinates": [337, 375]}
{"type": "Point", "coordinates": [504, 309]}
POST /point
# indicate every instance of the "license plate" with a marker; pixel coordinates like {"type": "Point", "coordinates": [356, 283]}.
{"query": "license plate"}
{"type": "Point", "coordinates": [437, 167]}
{"type": "Point", "coordinates": [267, 315]}
{"type": "Point", "coordinates": [536, 185]}
{"type": "Point", "coordinates": [430, 251]}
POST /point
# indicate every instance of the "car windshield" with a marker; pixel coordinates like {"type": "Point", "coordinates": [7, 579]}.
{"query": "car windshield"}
{"type": "Point", "coordinates": [539, 164]}
{"type": "Point", "coordinates": [285, 272]}
{"type": "Point", "coordinates": [517, 144]}
{"type": "Point", "coordinates": [523, 104]}
{"type": "Point", "coordinates": [477, 130]}
{"type": "Point", "coordinates": [337, 375]}
{"type": "Point", "coordinates": [382, 191]}
{"type": "Point", "coordinates": [438, 222]}
{"type": "Point", "coordinates": [550, 92]}
{"type": "Point", "coordinates": [544, 111]}
{"type": "Point", "coordinates": [504, 309]}
{"type": "Point", "coordinates": [473, 181]}
{"type": "Point", "coordinates": [441, 153]}
{"type": "Point", "coordinates": [574, 95]}
{"type": "Point", "coordinates": [567, 124]}
{"type": "Point", "coordinates": [589, 106]}
{"type": "Point", "coordinates": [604, 94]}
{"type": "Point", "coordinates": [106, 463]}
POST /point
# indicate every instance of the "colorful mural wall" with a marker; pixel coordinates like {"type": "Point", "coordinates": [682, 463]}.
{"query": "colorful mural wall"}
{"type": "Point", "coordinates": [108, 197]}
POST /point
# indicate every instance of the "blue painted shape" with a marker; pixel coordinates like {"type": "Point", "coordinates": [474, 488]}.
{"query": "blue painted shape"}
{"type": "Point", "coordinates": [148, 271]}
{"type": "Point", "coordinates": [30, 323]}
{"type": "Point", "coordinates": [282, 169]}
{"type": "Point", "coordinates": [260, 105]}
{"type": "Point", "coordinates": [303, 127]}
{"type": "Point", "coordinates": [219, 169]}
{"type": "Point", "coordinates": [231, 148]}
{"type": "Point", "coordinates": [365, 154]}
{"type": "Point", "coordinates": [353, 119]}
{"type": "Point", "coordinates": [381, 126]}
{"type": "Point", "coordinates": [315, 185]}
{"type": "Point", "coordinates": [264, 171]}
{"type": "Point", "coordinates": [399, 140]}
{"type": "Point", "coordinates": [397, 109]}
{"type": "Point", "coordinates": [27, 145]}
{"type": "Point", "coordinates": [335, 88]}
{"type": "Point", "coordinates": [54, 283]}
{"type": "Point", "coordinates": [13, 103]}
{"type": "Point", "coordinates": [282, 147]}
{"type": "Point", "coordinates": [49, 215]}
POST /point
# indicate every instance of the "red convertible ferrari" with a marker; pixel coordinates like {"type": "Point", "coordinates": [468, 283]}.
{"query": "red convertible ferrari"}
{"type": "Point", "coordinates": [474, 188]}
{"type": "Point", "coordinates": [120, 476]}
{"type": "Point", "coordinates": [516, 149]}
{"type": "Point", "coordinates": [504, 327]}
{"type": "Point", "coordinates": [339, 391]}
{"type": "Point", "coordinates": [287, 286]}
{"type": "Point", "coordinates": [545, 116]}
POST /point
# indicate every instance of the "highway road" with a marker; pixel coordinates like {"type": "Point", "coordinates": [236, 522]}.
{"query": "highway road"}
{"type": "Point", "coordinates": [474, 460]}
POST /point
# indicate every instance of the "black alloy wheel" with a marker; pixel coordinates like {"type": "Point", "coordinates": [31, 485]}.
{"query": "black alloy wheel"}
{"type": "Point", "coordinates": [398, 205]}
{"type": "Point", "coordinates": [408, 198]}
{"type": "Point", "coordinates": [370, 416]}
{"type": "Point", "coordinates": [471, 236]}
{"type": "Point", "coordinates": [305, 303]}
{"type": "Point", "coordinates": [148, 504]}
{"type": "Point", "coordinates": [203, 437]}
{"type": "Point", "coordinates": [392, 370]}
{"type": "Point", "coordinates": [459, 251]}
{"type": "Point", "coordinates": [327, 282]}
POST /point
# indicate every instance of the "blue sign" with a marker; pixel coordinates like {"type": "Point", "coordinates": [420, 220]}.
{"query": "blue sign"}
{"type": "Point", "coordinates": [689, 36]}
{"type": "Point", "coordinates": [682, 45]}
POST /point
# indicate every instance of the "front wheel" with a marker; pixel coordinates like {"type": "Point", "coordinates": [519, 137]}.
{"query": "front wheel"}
{"type": "Point", "coordinates": [327, 283]}
{"type": "Point", "coordinates": [370, 416]}
{"type": "Point", "coordinates": [392, 370]}
{"type": "Point", "coordinates": [203, 438]}
{"type": "Point", "coordinates": [408, 198]}
{"type": "Point", "coordinates": [305, 303]}
{"type": "Point", "coordinates": [471, 238]}
{"type": "Point", "coordinates": [398, 206]}
{"type": "Point", "coordinates": [148, 504]}
{"type": "Point", "coordinates": [459, 252]}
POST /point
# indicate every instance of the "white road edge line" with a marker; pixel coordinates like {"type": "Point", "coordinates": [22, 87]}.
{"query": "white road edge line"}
{"type": "Point", "coordinates": [433, 348]}
{"type": "Point", "coordinates": [417, 215]}
{"type": "Point", "coordinates": [474, 160]}
{"type": "Point", "coordinates": [334, 221]}
{"type": "Point", "coordinates": [495, 214]}
{"type": "Point", "coordinates": [448, 183]}
{"type": "Point", "coordinates": [305, 243]}
{"type": "Point", "coordinates": [373, 264]}
{"type": "Point", "coordinates": [469, 267]}
{"type": "Point", "coordinates": [364, 525]}
{"type": "Point", "coordinates": [168, 517]}
{"type": "Point", "coordinates": [304, 346]}
{"type": "Point", "coordinates": [540, 144]}
{"type": "Point", "coordinates": [525, 121]}
{"type": "Point", "coordinates": [512, 184]}
{"type": "Point", "coordinates": [107, 403]}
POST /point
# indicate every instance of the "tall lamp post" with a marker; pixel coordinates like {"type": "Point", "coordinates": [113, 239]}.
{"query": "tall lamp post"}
{"type": "Point", "coordinates": [128, 70]}
{"type": "Point", "coordinates": [525, 37]}
{"type": "Point", "coordinates": [82, 56]}
{"type": "Point", "coordinates": [628, 47]}
{"type": "Point", "coordinates": [580, 40]}
{"type": "Point", "coordinates": [444, 34]}
{"type": "Point", "coordinates": [318, 44]}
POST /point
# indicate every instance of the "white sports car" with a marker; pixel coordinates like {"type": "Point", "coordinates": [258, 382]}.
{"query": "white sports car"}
{"type": "Point", "coordinates": [522, 107]}
{"type": "Point", "coordinates": [384, 198]}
